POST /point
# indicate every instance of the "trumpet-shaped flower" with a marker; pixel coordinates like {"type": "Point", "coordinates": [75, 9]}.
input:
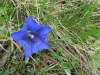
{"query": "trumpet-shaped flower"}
{"type": "Point", "coordinates": [32, 37]}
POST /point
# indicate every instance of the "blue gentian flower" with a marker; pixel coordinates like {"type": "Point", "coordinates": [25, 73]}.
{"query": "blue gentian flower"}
{"type": "Point", "coordinates": [32, 37]}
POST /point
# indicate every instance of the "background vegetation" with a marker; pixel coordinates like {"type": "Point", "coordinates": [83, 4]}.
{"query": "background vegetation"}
{"type": "Point", "coordinates": [74, 39]}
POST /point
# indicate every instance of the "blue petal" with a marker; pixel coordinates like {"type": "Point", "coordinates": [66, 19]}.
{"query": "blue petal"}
{"type": "Point", "coordinates": [25, 27]}
{"type": "Point", "coordinates": [27, 48]}
{"type": "Point", "coordinates": [42, 45]}
{"type": "Point", "coordinates": [32, 24]}
{"type": "Point", "coordinates": [18, 35]}
{"type": "Point", "coordinates": [34, 48]}
{"type": "Point", "coordinates": [44, 30]}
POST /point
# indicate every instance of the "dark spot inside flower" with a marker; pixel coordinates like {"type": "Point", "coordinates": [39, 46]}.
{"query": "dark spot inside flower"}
{"type": "Point", "coordinates": [38, 31]}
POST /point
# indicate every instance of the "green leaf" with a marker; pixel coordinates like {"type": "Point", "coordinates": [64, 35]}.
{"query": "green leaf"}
{"type": "Point", "coordinates": [6, 72]}
{"type": "Point", "coordinates": [83, 73]}
{"type": "Point", "coordinates": [2, 20]}
{"type": "Point", "coordinates": [98, 34]}
{"type": "Point", "coordinates": [95, 61]}
{"type": "Point", "coordinates": [89, 32]}
{"type": "Point", "coordinates": [42, 7]}
{"type": "Point", "coordinates": [32, 70]}
{"type": "Point", "coordinates": [12, 69]}
{"type": "Point", "coordinates": [3, 11]}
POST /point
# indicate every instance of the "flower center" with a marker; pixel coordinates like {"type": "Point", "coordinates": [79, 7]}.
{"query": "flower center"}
{"type": "Point", "coordinates": [29, 34]}
{"type": "Point", "coordinates": [31, 37]}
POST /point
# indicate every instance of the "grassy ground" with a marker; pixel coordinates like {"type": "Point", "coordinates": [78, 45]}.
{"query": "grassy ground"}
{"type": "Point", "coordinates": [74, 39]}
